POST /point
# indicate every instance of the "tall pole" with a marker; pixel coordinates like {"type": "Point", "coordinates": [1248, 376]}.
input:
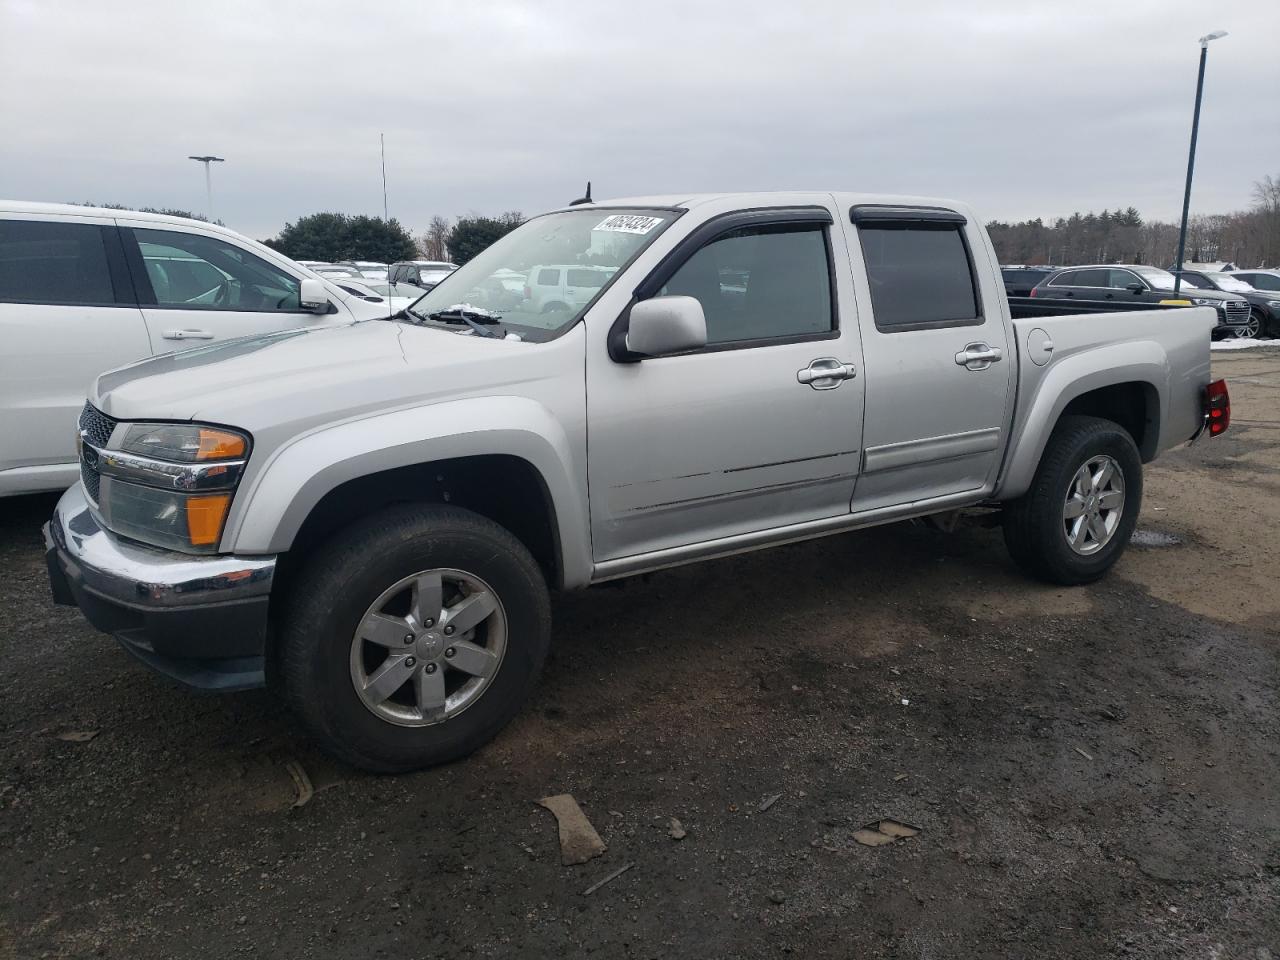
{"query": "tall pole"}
{"type": "Point", "coordinates": [208, 182]}
{"type": "Point", "coordinates": [1191, 159]}
{"type": "Point", "coordinates": [386, 217]}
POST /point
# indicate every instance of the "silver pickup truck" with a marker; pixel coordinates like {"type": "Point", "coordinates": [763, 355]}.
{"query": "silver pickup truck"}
{"type": "Point", "coordinates": [371, 518]}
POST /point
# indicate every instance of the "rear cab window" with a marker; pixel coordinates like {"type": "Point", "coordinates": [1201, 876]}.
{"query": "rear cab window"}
{"type": "Point", "coordinates": [919, 271]}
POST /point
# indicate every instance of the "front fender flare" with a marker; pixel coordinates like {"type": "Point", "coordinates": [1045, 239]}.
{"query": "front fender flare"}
{"type": "Point", "coordinates": [278, 499]}
{"type": "Point", "coordinates": [1137, 361]}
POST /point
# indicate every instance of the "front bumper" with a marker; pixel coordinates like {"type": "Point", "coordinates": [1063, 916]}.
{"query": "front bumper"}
{"type": "Point", "coordinates": [199, 620]}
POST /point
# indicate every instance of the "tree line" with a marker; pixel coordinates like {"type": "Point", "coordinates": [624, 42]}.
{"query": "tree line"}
{"type": "Point", "coordinates": [1248, 237]}
{"type": "Point", "coordinates": [339, 236]}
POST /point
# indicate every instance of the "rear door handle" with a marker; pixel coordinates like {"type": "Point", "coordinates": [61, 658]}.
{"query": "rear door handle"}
{"type": "Point", "coordinates": [978, 356]}
{"type": "Point", "coordinates": [826, 373]}
{"type": "Point", "coordinates": [188, 335]}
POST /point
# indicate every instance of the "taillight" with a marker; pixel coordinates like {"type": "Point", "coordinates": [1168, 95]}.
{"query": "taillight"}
{"type": "Point", "coordinates": [1217, 403]}
{"type": "Point", "coordinates": [527, 292]}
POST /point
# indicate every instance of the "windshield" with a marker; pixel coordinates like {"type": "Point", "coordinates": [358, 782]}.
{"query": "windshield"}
{"type": "Point", "coordinates": [542, 276]}
{"type": "Point", "coordinates": [1225, 281]}
{"type": "Point", "coordinates": [1160, 279]}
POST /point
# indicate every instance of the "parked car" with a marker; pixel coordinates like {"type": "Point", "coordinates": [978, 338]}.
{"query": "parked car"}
{"type": "Point", "coordinates": [369, 269]}
{"type": "Point", "coordinates": [1020, 280]}
{"type": "Point", "coordinates": [564, 288]}
{"type": "Point", "coordinates": [1215, 266]}
{"type": "Point", "coordinates": [1264, 312]}
{"type": "Point", "coordinates": [335, 270]}
{"type": "Point", "coordinates": [398, 295]}
{"type": "Point", "coordinates": [84, 289]}
{"type": "Point", "coordinates": [1267, 283]}
{"type": "Point", "coordinates": [1134, 283]}
{"type": "Point", "coordinates": [396, 499]}
{"type": "Point", "coordinates": [423, 274]}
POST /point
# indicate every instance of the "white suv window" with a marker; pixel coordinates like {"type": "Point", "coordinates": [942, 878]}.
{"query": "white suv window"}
{"type": "Point", "coordinates": [548, 278]}
{"type": "Point", "coordinates": [196, 272]}
{"type": "Point", "coordinates": [53, 263]}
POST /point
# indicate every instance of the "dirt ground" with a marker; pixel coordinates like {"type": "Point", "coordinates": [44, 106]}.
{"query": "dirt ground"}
{"type": "Point", "coordinates": [1095, 772]}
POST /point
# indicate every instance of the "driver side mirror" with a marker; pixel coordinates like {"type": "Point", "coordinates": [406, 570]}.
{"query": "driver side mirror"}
{"type": "Point", "coordinates": [312, 296]}
{"type": "Point", "coordinates": [1136, 288]}
{"type": "Point", "coordinates": [666, 325]}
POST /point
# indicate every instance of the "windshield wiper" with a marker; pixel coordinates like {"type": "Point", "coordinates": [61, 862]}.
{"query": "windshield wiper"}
{"type": "Point", "coordinates": [473, 317]}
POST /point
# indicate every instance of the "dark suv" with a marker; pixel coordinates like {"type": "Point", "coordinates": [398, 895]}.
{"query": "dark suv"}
{"type": "Point", "coordinates": [1264, 319]}
{"type": "Point", "coordinates": [423, 274]}
{"type": "Point", "coordinates": [1131, 283]}
{"type": "Point", "coordinates": [1019, 280]}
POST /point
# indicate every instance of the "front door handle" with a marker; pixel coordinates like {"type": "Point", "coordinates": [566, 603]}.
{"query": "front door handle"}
{"type": "Point", "coordinates": [826, 373]}
{"type": "Point", "coordinates": [978, 356]}
{"type": "Point", "coordinates": [188, 335]}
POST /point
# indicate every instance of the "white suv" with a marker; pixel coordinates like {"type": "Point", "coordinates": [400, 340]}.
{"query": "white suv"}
{"type": "Point", "coordinates": [84, 289]}
{"type": "Point", "coordinates": [564, 287]}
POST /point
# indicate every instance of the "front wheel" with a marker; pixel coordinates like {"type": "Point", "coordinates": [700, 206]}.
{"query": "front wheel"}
{"type": "Point", "coordinates": [1073, 523]}
{"type": "Point", "coordinates": [1265, 329]}
{"type": "Point", "coordinates": [1251, 327]}
{"type": "Point", "coordinates": [413, 637]}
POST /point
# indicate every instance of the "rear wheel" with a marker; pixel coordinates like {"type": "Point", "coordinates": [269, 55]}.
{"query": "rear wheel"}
{"type": "Point", "coordinates": [413, 637]}
{"type": "Point", "coordinates": [1073, 523]}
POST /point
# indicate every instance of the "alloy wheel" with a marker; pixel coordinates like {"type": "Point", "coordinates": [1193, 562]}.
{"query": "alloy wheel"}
{"type": "Point", "coordinates": [428, 647]}
{"type": "Point", "coordinates": [1093, 506]}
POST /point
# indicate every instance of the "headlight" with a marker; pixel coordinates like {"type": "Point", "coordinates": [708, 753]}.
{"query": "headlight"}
{"type": "Point", "coordinates": [184, 442]}
{"type": "Point", "coordinates": [1274, 304]}
{"type": "Point", "coordinates": [171, 484]}
{"type": "Point", "coordinates": [1204, 302]}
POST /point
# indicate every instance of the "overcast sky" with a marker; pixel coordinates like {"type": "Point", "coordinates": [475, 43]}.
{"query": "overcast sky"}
{"type": "Point", "coordinates": [1022, 108]}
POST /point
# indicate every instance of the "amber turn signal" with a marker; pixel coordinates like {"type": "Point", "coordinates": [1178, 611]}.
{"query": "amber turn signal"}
{"type": "Point", "coordinates": [220, 445]}
{"type": "Point", "coordinates": [205, 516]}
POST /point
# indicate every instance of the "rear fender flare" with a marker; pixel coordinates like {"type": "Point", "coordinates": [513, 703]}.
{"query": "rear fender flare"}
{"type": "Point", "coordinates": [1139, 361]}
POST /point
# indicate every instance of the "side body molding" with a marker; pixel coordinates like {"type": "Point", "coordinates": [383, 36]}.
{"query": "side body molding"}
{"type": "Point", "coordinates": [285, 490]}
{"type": "Point", "coordinates": [1068, 377]}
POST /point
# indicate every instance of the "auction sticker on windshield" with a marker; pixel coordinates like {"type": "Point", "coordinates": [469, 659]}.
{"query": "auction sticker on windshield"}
{"type": "Point", "coordinates": [628, 223]}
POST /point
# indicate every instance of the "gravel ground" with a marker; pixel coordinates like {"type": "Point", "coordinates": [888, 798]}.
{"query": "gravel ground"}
{"type": "Point", "coordinates": [1093, 771]}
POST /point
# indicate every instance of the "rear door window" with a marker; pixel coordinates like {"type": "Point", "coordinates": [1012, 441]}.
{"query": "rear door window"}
{"type": "Point", "coordinates": [920, 275]}
{"type": "Point", "coordinates": [1091, 278]}
{"type": "Point", "coordinates": [587, 278]}
{"type": "Point", "coordinates": [53, 262]}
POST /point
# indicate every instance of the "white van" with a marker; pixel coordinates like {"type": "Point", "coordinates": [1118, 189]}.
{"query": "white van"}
{"type": "Point", "coordinates": [84, 289]}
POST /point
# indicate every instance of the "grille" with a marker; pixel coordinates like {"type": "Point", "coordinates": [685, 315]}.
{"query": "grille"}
{"type": "Point", "coordinates": [96, 428]}
{"type": "Point", "coordinates": [1237, 311]}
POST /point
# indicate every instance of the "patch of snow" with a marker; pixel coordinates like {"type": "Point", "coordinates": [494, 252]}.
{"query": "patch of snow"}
{"type": "Point", "coordinates": [1242, 343]}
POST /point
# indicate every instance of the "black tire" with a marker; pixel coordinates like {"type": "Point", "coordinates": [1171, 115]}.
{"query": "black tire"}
{"type": "Point", "coordinates": [1033, 524]}
{"type": "Point", "coordinates": [1266, 329]}
{"type": "Point", "coordinates": [348, 573]}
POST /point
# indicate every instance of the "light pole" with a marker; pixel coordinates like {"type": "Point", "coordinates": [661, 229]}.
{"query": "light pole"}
{"type": "Point", "coordinates": [208, 182]}
{"type": "Point", "coordinates": [1191, 157]}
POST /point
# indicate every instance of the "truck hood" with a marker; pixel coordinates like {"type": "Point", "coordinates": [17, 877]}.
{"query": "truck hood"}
{"type": "Point", "coordinates": [297, 377]}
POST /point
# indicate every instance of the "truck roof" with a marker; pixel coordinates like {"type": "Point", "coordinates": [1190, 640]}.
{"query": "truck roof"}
{"type": "Point", "coordinates": [688, 201]}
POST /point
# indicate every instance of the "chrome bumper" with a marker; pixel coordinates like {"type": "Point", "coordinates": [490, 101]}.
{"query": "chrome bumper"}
{"type": "Point", "coordinates": [201, 620]}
